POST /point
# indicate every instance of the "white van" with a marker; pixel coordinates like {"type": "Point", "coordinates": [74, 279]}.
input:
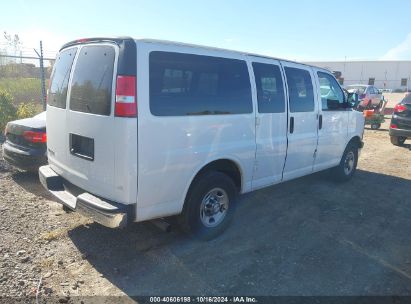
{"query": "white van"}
{"type": "Point", "coordinates": [145, 129]}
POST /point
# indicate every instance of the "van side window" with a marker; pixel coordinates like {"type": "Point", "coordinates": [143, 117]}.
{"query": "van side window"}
{"type": "Point", "coordinates": [187, 84]}
{"type": "Point", "coordinates": [300, 90]}
{"type": "Point", "coordinates": [331, 93]}
{"type": "Point", "coordinates": [270, 90]}
{"type": "Point", "coordinates": [92, 80]}
{"type": "Point", "coordinates": [59, 80]}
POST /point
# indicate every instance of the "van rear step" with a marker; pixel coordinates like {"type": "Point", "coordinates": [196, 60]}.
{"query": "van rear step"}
{"type": "Point", "coordinates": [106, 213]}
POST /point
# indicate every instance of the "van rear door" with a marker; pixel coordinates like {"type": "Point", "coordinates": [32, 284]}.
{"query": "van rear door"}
{"type": "Point", "coordinates": [56, 108]}
{"type": "Point", "coordinates": [83, 134]}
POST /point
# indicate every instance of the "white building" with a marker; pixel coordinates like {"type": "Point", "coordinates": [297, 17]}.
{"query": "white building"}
{"type": "Point", "coordinates": [394, 75]}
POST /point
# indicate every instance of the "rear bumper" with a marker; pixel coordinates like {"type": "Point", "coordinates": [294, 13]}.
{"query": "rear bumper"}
{"type": "Point", "coordinates": [25, 160]}
{"type": "Point", "coordinates": [104, 212]}
{"type": "Point", "coordinates": [400, 132]}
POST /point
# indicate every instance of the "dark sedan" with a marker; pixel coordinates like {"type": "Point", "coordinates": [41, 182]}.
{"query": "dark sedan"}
{"type": "Point", "coordinates": [400, 127]}
{"type": "Point", "coordinates": [26, 143]}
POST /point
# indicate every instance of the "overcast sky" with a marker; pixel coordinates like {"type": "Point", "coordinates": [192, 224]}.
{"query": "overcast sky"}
{"type": "Point", "coordinates": [299, 30]}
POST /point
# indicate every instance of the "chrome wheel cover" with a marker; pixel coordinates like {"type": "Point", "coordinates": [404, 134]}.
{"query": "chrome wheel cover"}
{"type": "Point", "coordinates": [214, 207]}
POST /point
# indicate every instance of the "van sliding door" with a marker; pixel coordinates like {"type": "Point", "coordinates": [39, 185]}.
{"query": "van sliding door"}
{"type": "Point", "coordinates": [271, 118]}
{"type": "Point", "coordinates": [302, 120]}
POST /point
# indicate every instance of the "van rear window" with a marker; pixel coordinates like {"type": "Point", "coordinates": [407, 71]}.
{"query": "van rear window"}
{"type": "Point", "coordinates": [59, 79]}
{"type": "Point", "coordinates": [187, 84]}
{"type": "Point", "coordinates": [92, 80]}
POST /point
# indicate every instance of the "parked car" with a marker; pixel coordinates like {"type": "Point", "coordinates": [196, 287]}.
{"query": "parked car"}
{"type": "Point", "coordinates": [146, 129]}
{"type": "Point", "coordinates": [25, 145]}
{"type": "Point", "coordinates": [368, 96]}
{"type": "Point", "coordinates": [400, 127]}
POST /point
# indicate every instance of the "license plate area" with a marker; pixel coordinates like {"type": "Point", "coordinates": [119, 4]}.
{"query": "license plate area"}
{"type": "Point", "coordinates": [82, 146]}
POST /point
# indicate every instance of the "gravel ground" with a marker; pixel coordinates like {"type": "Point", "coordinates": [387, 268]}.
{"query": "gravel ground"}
{"type": "Point", "coordinates": [305, 237]}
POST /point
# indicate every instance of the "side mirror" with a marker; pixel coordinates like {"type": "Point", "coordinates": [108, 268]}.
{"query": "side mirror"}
{"type": "Point", "coordinates": [352, 100]}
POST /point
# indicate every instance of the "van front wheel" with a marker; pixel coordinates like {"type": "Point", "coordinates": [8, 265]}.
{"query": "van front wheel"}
{"type": "Point", "coordinates": [348, 164]}
{"type": "Point", "coordinates": [209, 206]}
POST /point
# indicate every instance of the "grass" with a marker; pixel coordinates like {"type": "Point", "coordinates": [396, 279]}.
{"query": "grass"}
{"type": "Point", "coordinates": [55, 234]}
{"type": "Point", "coordinates": [62, 232]}
{"type": "Point", "coordinates": [23, 90]}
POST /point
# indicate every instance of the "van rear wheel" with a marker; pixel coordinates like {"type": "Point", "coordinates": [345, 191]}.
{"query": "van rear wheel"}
{"type": "Point", "coordinates": [348, 164]}
{"type": "Point", "coordinates": [209, 206]}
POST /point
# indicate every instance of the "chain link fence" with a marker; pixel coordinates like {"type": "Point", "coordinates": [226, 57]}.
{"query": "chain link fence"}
{"type": "Point", "coordinates": [21, 74]}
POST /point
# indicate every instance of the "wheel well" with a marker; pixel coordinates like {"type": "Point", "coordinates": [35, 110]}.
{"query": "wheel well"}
{"type": "Point", "coordinates": [356, 141]}
{"type": "Point", "coordinates": [225, 166]}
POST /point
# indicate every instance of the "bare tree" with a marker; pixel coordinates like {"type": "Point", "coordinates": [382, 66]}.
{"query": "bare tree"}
{"type": "Point", "coordinates": [13, 42]}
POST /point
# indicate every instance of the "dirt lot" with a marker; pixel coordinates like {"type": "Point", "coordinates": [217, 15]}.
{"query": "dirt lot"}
{"type": "Point", "coordinates": [310, 236]}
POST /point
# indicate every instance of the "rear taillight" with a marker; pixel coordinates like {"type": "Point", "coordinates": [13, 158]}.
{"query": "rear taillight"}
{"type": "Point", "coordinates": [393, 126]}
{"type": "Point", "coordinates": [399, 108]}
{"type": "Point", "coordinates": [35, 136]}
{"type": "Point", "coordinates": [126, 97]}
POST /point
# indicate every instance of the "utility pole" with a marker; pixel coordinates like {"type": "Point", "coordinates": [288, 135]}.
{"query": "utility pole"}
{"type": "Point", "coordinates": [43, 81]}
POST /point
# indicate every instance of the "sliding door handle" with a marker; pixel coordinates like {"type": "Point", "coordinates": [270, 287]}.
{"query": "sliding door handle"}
{"type": "Point", "coordinates": [291, 125]}
{"type": "Point", "coordinates": [320, 122]}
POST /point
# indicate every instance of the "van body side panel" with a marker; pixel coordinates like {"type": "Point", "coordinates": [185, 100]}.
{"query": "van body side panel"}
{"type": "Point", "coordinates": [125, 133]}
{"type": "Point", "coordinates": [125, 159]}
{"type": "Point", "coordinates": [355, 125]}
{"type": "Point", "coordinates": [172, 149]}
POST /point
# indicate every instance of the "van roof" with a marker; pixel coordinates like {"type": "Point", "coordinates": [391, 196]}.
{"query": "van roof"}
{"type": "Point", "coordinates": [222, 49]}
{"type": "Point", "coordinates": [118, 40]}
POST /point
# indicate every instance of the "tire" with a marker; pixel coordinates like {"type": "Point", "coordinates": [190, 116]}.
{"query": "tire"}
{"type": "Point", "coordinates": [348, 164]}
{"type": "Point", "coordinates": [375, 126]}
{"type": "Point", "coordinates": [397, 140]}
{"type": "Point", "coordinates": [67, 209]}
{"type": "Point", "coordinates": [209, 206]}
